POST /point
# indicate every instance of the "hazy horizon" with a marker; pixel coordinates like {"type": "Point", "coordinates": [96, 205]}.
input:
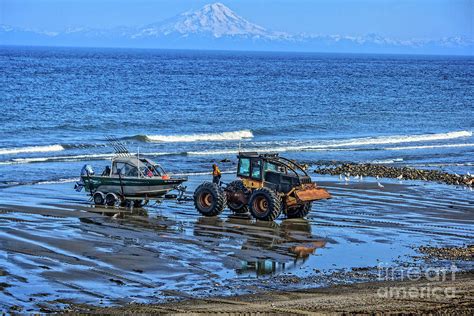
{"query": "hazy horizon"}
{"type": "Point", "coordinates": [398, 19]}
{"type": "Point", "coordinates": [363, 26]}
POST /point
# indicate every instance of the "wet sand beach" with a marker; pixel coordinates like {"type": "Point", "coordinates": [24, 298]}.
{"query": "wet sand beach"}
{"type": "Point", "coordinates": [58, 251]}
{"type": "Point", "coordinates": [359, 298]}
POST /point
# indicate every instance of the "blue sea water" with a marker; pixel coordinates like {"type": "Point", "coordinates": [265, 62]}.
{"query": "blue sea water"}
{"type": "Point", "coordinates": [188, 108]}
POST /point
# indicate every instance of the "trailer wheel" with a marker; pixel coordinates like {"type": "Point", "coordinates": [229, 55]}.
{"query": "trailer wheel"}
{"type": "Point", "coordinates": [99, 198]}
{"type": "Point", "coordinates": [299, 211]}
{"type": "Point", "coordinates": [111, 199]}
{"type": "Point", "coordinates": [236, 206]}
{"type": "Point", "coordinates": [265, 204]}
{"type": "Point", "coordinates": [209, 199]}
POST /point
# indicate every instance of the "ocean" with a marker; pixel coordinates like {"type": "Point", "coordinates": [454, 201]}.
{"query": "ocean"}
{"type": "Point", "coordinates": [187, 109]}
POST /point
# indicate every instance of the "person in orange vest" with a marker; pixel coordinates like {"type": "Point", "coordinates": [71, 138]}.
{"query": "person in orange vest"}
{"type": "Point", "coordinates": [216, 174]}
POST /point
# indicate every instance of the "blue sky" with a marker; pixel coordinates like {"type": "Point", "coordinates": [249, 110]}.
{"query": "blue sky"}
{"type": "Point", "coordinates": [402, 19]}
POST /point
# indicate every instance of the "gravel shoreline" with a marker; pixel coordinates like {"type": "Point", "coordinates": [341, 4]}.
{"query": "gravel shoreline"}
{"type": "Point", "coordinates": [402, 173]}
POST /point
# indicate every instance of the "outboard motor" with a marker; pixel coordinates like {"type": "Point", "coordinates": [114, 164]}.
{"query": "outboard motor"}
{"type": "Point", "coordinates": [85, 171]}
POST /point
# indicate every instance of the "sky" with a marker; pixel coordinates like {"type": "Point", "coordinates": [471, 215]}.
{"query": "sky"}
{"type": "Point", "coordinates": [402, 19]}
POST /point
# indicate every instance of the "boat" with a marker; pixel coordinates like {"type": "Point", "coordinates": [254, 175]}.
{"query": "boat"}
{"type": "Point", "coordinates": [130, 179]}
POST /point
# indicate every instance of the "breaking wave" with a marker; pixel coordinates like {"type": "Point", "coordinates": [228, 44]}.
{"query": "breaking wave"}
{"type": "Point", "coordinates": [59, 181]}
{"type": "Point", "coordinates": [397, 139]}
{"type": "Point", "coordinates": [90, 157]}
{"type": "Point", "coordinates": [224, 136]}
{"type": "Point", "coordinates": [351, 144]}
{"type": "Point", "coordinates": [355, 144]}
{"type": "Point", "coordinates": [387, 161]}
{"type": "Point", "coordinates": [429, 146]}
{"type": "Point", "coordinates": [31, 149]}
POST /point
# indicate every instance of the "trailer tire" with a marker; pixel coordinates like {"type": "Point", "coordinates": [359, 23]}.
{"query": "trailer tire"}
{"type": "Point", "coordinates": [300, 211]}
{"type": "Point", "coordinates": [238, 207]}
{"type": "Point", "coordinates": [209, 199]}
{"type": "Point", "coordinates": [99, 198]}
{"type": "Point", "coordinates": [111, 199]}
{"type": "Point", "coordinates": [265, 204]}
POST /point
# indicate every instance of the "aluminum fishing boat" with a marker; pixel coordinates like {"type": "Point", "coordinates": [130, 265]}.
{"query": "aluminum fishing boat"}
{"type": "Point", "coordinates": [129, 179]}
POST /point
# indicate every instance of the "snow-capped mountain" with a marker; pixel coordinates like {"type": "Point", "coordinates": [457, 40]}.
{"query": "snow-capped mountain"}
{"type": "Point", "coordinates": [214, 19]}
{"type": "Point", "coordinates": [215, 26]}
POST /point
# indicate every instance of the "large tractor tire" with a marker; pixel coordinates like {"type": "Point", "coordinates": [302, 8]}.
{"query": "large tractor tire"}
{"type": "Point", "coordinates": [299, 211]}
{"type": "Point", "coordinates": [209, 199]}
{"type": "Point", "coordinates": [265, 204]}
{"type": "Point", "coordinates": [238, 207]}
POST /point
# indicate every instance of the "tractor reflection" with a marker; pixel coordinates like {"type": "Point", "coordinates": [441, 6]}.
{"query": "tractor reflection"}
{"type": "Point", "coordinates": [261, 247]}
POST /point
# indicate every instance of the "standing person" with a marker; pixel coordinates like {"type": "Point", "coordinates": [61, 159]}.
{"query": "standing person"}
{"type": "Point", "coordinates": [216, 174]}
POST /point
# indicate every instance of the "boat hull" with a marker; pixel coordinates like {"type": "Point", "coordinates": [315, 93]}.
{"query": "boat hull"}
{"type": "Point", "coordinates": [131, 187]}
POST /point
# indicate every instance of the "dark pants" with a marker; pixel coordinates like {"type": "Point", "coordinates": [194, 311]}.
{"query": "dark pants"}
{"type": "Point", "coordinates": [216, 179]}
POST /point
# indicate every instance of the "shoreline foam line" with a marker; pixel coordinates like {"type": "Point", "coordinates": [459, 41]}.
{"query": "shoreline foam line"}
{"type": "Point", "coordinates": [30, 149]}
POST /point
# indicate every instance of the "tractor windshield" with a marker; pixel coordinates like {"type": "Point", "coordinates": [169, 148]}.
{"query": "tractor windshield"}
{"type": "Point", "coordinates": [270, 167]}
{"type": "Point", "coordinates": [244, 167]}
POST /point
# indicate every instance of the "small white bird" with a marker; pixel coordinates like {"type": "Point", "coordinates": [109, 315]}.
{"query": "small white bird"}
{"type": "Point", "coordinates": [377, 177]}
{"type": "Point", "coordinates": [380, 185]}
{"type": "Point", "coordinates": [400, 177]}
{"type": "Point", "coordinates": [356, 177]}
{"type": "Point", "coordinates": [347, 179]}
{"type": "Point", "coordinates": [340, 177]}
{"type": "Point", "coordinates": [361, 178]}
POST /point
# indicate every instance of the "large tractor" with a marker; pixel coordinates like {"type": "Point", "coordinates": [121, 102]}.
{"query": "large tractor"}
{"type": "Point", "coordinates": [267, 186]}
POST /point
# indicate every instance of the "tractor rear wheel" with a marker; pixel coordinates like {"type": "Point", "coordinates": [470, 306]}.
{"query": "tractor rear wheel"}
{"type": "Point", "coordinates": [236, 206]}
{"type": "Point", "coordinates": [300, 211]}
{"type": "Point", "coordinates": [265, 204]}
{"type": "Point", "coordinates": [209, 199]}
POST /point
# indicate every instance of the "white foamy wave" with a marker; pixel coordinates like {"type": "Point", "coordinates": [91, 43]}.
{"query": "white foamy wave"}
{"type": "Point", "coordinates": [266, 149]}
{"type": "Point", "coordinates": [429, 146]}
{"type": "Point", "coordinates": [346, 145]}
{"type": "Point", "coordinates": [385, 161]}
{"type": "Point", "coordinates": [397, 139]}
{"type": "Point", "coordinates": [237, 135]}
{"type": "Point", "coordinates": [31, 149]}
{"type": "Point", "coordinates": [71, 158]}
{"type": "Point", "coordinates": [58, 181]}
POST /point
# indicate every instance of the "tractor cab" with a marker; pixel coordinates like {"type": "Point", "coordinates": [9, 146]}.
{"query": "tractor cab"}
{"type": "Point", "coordinates": [270, 170]}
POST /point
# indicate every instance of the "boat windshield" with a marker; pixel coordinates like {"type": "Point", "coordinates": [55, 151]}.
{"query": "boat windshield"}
{"type": "Point", "coordinates": [151, 169]}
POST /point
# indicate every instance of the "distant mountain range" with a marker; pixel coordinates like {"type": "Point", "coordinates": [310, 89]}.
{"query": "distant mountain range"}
{"type": "Point", "coordinates": [215, 26]}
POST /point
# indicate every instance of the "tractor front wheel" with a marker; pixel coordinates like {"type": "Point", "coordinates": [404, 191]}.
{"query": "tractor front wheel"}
{"type": "Point", "coordinates": [237, 206]}
{"type": "Point", "coordinates": [209, 199]}
{"type": "Point", "coordinates": [265, 204]}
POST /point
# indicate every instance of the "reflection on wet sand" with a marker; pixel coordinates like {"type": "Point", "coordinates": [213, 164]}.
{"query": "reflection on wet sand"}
{"type": "Point", "coordinates": [257, 247]}
{"type": "Point", "coordinates": [265, 247]}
